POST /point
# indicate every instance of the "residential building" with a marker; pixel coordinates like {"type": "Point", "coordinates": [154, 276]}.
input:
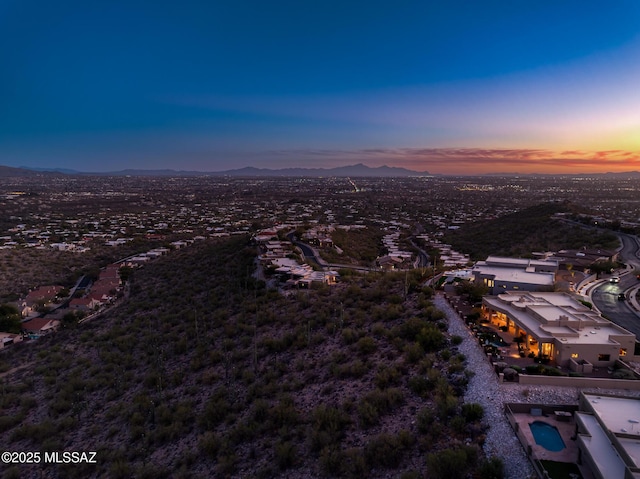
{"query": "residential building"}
{"type": "Point", "coordinates": [556, 326]}
{"type": "Point", "coordinates": [7, 339]}
{"type": "Point", "coordinates": [501, 274]}
{"type": "Point", "coordinates": [40, 326]}
{"type": "Point", "coordinates": [580, 260]}
{"type": "Point", "coordinates": [608, 436]}
{"type": "Point", "coordinates": [43, 293]}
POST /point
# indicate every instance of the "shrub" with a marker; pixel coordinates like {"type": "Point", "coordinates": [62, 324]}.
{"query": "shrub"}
{"type": "Point", "coordinates": [366, 345]}
{"type": "Point", "coordinates": [425, 419]}
{"type": "Point", "coordinates": [284, 413]}
{"type": "Point", "coordinates": [286, 454]}
{"type": "Point", "coordinates": [386, 377]}
{"type": "Point", "coordinates": [349, 336]}
{"type": "Point", "coordinates": [420, 385]}
{"type": "Point", "coordinates": [377, 403]}
{"type": "Point", "coordinates": [446, 405]}
{"type": "Point", "coordinates": [331, 460]}
{"type": "Point", "coordinates": [458, 424]}
{"type": "Point", "coordinates": [355, 465]}
{"type": "Point", "coordinates": [534, 369]}
{"type": "Point", "coordinates": [413, 352]}
{"type": "Point", "coordinates": [379, 330]}
{"type": "Point", "coordinates": [354, 369]}
{"type": "Point", "coordinates": [328, 424]}
{"type": "Point", "coordinates": [368, 414]}
{"type": "Point", "coordinates": [216, 409]}
{"type": "Point", "coordinates": [451, 463]}
{"type": "Point", "coordinates": [384, 450]}
{"type": "Point", "coordinates": [227, 463]}
{"type": "Point", "coordinates": [410, 329]}
{"type": "Point", "coordinates": [8, 422]}
{"type": "Point", "coordinates": [472, 412]}
{"type": "Point", "coordinates": [209, 444]}
{"type": "Point", "coordinates": [492, 468]}
{"type": "Point", "coordinates": [431, 338]}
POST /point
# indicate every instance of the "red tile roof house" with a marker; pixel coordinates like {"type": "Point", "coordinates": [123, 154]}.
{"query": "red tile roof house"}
{"type": "Point", "coordinates": [110, 272]}
{"type": "Point", "coordinates": [100, 295]}
{"type": "Point", "coordinates": [83, 304]}
{"type": "Point", "coordinates": [43, 293]}
{"type": "Point", "coordinates": [40, 326]}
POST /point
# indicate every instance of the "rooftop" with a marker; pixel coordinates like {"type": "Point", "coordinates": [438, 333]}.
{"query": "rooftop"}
{"type": "Point", "coordinates": [556, 315]}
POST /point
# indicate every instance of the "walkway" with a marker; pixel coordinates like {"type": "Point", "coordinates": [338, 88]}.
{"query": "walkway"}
{"type": "Point", "coordinates": [485, 389]}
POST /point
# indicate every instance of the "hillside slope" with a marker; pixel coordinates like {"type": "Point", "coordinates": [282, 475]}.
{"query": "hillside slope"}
{"type": "Point", "coordinates": [204, 372]}
{"type": "Point", "coordinates": [532, 229]}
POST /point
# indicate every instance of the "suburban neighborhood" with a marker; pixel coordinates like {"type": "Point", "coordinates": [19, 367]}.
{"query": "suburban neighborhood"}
{"type": "Point", "coordinates": [540, 323]}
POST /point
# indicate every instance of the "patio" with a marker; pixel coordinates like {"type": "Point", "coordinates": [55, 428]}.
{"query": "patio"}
{"type": "Point", "coordinates": [565, 426]}
{"type": "Point", "coordinates": [509, 352]}
{"type": "Point", "coordinates": [511, 355]}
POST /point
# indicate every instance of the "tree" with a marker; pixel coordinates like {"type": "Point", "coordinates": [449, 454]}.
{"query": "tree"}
{"type": "Point", "coordinates": [125, 273]}
{"type": "Point", "coordinates": [72, 318]}
{"type": "Point", "coordinates": [63, 293]}
{"type": "Point", "coordinates": [10, 321]}
{"type": "Point", "coordinates": [601, 267]}
{"type": "Point", "coordinates": [474, 292]}
{"type": "Point", "coordinates": [570, 269]}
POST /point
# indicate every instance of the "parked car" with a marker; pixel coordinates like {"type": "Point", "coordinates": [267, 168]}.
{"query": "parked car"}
{"type": "Point", "coordinates": [621, 297]}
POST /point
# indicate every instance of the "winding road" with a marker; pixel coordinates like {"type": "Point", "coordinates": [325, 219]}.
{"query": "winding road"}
{"type": "Point", "coordinates": [605, 294]}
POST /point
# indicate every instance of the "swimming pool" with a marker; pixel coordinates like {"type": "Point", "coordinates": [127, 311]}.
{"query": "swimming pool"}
{"type": "Point", "coordinates": [547, 436]}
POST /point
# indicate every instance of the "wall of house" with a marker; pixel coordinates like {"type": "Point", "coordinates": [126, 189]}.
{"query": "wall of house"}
{"type": "Point", "coordinates": [566, 381]}
{"type": "Point", "coordinates": [587, 460]}
{"type": "Point", "coordinates": [502, 286]}
{"type": "Point", "coordinates": [16, 339]}
{"type": "Point", "coordinates": [589, 352]}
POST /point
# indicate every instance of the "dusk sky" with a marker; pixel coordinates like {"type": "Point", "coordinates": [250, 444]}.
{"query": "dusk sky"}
{"type": "Point", "coordinates": [454, 87]}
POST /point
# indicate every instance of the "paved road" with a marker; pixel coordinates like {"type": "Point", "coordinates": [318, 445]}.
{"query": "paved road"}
{"type": "Point", "coordinates": [605, 295]}
{"type": "Point", "coordinates": [311, 254]}
{"type": "Point", "coordinates": [423, 257]}
{"type": "Point", "coordinates": [630, 250]}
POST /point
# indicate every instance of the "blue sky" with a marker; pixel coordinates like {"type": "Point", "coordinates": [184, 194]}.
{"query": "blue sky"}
{"type": "Point", "coordinates": [447, 87]}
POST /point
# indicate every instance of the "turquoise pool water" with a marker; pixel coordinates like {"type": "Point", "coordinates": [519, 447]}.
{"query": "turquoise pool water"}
{"type": "Point", "coordinates": [547, 436]}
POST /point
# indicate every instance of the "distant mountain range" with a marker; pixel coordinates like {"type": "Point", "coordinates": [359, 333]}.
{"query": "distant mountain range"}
{"type": "Point", "coordinates": [351, 170]}
{"type": "Point", "coordinates": [10, 172]}
{"type": "Point", "coordinates": [358, 170]}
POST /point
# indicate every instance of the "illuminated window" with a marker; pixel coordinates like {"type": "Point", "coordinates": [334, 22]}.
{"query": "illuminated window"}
{"type": "Point", "coordinates": [516, 287]}
{"type": "Point", "coordinates": [604, 357]}
{"type": "Point", "coordinates": [574, 355]}
{"type": "Point", "coordinates": [623, 351]}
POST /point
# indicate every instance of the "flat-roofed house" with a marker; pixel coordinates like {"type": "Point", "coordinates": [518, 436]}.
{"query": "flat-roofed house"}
{"type": "Point", "coordinates": [560, 328]}
{"type": "Point", "coordinates": [501, 274]}
{"type": "Point", "coordinates": [608, 435]}
{"type": "Point", "coordinates": [7, 339]}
